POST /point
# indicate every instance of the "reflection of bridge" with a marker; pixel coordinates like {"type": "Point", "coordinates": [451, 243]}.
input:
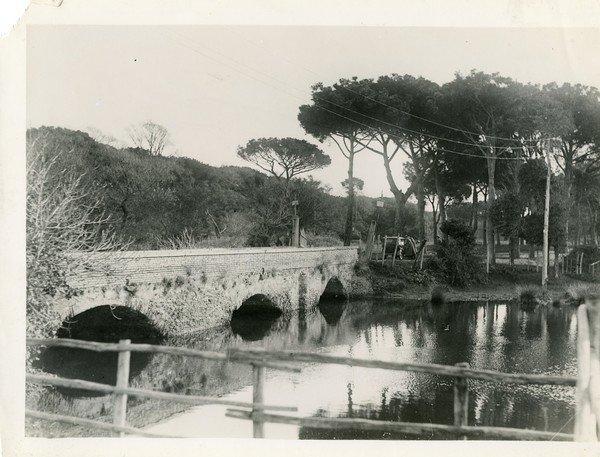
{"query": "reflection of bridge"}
{"type": "Point", "coordinates": [193, 289]}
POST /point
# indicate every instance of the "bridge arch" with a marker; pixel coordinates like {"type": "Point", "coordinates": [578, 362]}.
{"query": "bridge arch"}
{"type": "Point", "coordinates": [255, 317]}
{"type": "Point", "coordinates": [334, 289]}
{"type": "Point", "coordinates": [258, 304]}
{"type": "Point", "coordinates": [104, 323]}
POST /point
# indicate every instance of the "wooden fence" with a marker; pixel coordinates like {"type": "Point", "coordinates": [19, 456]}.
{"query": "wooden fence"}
{"type": "Point", "coordinates": [587, 423]}
{"type": "Point", "coordinates": [121, 391]}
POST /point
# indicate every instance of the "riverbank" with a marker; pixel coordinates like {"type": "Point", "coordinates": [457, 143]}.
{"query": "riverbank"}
{"type": "Point", "coordinates": [503, 283]}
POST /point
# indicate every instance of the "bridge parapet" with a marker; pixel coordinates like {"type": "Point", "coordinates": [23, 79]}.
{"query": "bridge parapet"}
{"type": "Point", "coordinates": [154, 266]}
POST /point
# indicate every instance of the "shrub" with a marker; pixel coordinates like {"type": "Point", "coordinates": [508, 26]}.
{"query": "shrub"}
{"type": "Point", "coordinates": [577, 293]}
{"type": "Point", "coordinates": [529, 297]}
{"type": "Point", "coordinates": [402, 273]}
{"type": "Point", "coordinates": [186, 240]}
{"type": "Point", "coordinates": [509, 272]}
{"type": "Point", "coordinates": [323, 240]}
{"type": "Point", "coordinates": [455, 262]}
{"type": "Point", "coordinates": [461, 233]}
{"type": "Point", "coordinates": [63, 215]}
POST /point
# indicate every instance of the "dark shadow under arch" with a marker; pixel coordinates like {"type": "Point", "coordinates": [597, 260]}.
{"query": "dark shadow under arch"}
{"type": "Point", "coordinates": [254, 319]}
{"type": "Point", "coordinates": [333, 301]}
{"type": "Point", "coordinates": [334, 290]}
{"type": "Point", "coordinates": [106, 324]}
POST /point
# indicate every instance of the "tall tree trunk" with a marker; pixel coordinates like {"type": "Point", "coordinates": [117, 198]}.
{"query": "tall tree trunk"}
{"type": "Point", "coordinates": [350, 209]}
{"type": "Point", "coordinates": [593, 231]}
{"type": "Point", "coordinates": [491, 167]}
{"type": "Point", "coordinates": [420, 194]}
{"type": "Point", "coordinates": [514, 249]}
{"type": "Point", "coordinates": [474, 218]}
{"type": "Point", "coordinates": [485, 222]}
{"type": "Point", "coordinates": [568, 152]}
{"type": "Point", "coordinates": [443, 216]}
{"type": "Point", "coordinates": [435, 221]}
{"type": "Point", "coordinates": [546, 243]}
{"type": "Point", "coordinates": [578, 234]}
{"type": "Point", "coordinates": [441, 200]}
{"type": "Point", "coordinates": [399, 196]}
{"type": "Point", "coordinates": [420, 187]}
{"type": "Point", "coordinates": [421, 209]}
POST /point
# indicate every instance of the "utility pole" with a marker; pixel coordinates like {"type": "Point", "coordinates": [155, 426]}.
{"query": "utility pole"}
{"type": "Point", "coordinates": [545, 252]}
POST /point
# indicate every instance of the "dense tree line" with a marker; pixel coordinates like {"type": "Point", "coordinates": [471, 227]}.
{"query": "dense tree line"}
{"type": "Point", "coordinates": [468, 140]}
{"type": "Point", "coordinates": [468, 148]}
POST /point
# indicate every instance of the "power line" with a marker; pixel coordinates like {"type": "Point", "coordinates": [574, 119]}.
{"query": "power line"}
{"type": "Point", "coordinates": [429, 135]}
{"type": "Point", "coordinates": [456, 129]}
{"type": "Point", "coordinates": [397, 127]}
{"type": "Point", "coordinates": [402, 139]}
{"type": "Point", "coordinates": [437, 148]}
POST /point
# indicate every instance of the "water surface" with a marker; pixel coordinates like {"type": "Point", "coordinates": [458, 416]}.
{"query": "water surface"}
{"type": "Point", "coordinates": [488, 335]}
{"type": "Point", "coordinates": [496, 336]}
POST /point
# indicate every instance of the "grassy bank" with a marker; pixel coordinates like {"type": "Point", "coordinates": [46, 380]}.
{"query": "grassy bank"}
{"type": "Point", "coordinates": [503, 283]}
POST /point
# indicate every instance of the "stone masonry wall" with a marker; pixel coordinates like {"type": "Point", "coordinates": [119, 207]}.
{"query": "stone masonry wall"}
{"type": "Point", "coordinates": [189, 290]}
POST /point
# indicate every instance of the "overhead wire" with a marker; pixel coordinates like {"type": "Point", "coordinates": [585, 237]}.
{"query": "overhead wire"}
{"type": "Point", "coordinates": [402, 139]}
{"type": "Point", "coordinates": [439, 124]}
{"type": "Point", "coordinates": [395, 126]}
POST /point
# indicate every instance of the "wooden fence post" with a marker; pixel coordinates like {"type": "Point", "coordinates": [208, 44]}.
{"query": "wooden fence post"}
{"type": "Point", "coordinates": [585, 420]}
{"type": "Point", "coordinates": [461, 399]}
{"type": "Point", "coordinates": [592, 304]}
{"type": "Point", "coordinates": [120, 402]}
{"type": "Point", "coordinates": [258, 376]}
{"type": "Point", "coordinates": [383, 249]}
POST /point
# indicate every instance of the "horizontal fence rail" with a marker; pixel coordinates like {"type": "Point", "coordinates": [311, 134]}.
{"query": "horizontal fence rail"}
{"type": "Point", "coordinates": [444, 370]}
{"type": "Point", "coordinates": [154, 349]}
{"type": "Point", "coordinates": [255, 411]}
{"type": "Point", "coordinates": [143, 393]}
{"type": "Point", "coordinates": [409, 428]}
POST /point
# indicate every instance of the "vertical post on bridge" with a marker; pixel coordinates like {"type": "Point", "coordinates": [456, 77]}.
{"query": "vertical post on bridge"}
{"type": "Point", "coordinates": [295, 226]}
{"type": "Point", "coordinates": [296, 232]}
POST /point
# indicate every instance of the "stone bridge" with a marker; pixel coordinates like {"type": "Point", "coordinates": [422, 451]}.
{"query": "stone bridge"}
{"type": "Point", "coordinates": [185, 290]}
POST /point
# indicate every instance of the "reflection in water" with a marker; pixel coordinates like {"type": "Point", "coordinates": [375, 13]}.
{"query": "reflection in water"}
{"type": "Point", "coordinates": [497, 336]}
{"type": "Point", "coordinates": [332, 310]}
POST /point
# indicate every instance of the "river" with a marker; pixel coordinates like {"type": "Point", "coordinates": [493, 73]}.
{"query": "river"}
{"type": "Point", "coordinates": [488, 335]}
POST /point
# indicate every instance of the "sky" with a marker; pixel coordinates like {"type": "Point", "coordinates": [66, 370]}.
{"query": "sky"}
{"type": "Point", "coordinates": [216, 87]}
